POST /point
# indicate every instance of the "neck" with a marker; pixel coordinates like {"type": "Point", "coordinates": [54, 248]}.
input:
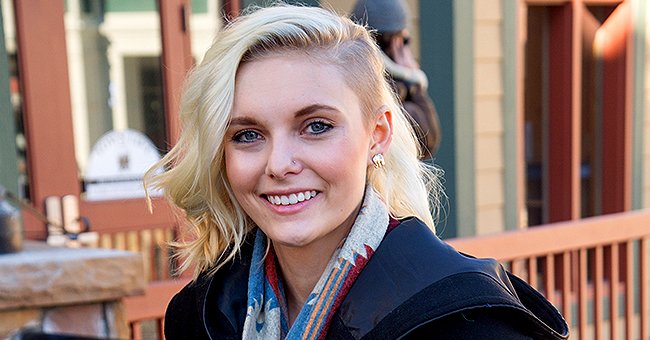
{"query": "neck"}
{"type": "Point", "coordinates": [302, 267]}
{"type": "Point", "coordinates": [300, 272]}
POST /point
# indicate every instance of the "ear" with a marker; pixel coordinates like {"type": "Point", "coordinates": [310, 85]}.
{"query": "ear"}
{"type": "Point", "coordinates": [381, 132]}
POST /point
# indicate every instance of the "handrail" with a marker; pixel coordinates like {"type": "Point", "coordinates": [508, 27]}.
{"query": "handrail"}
{"type": "Point", "coordinates": [576, 234]}
{"type": "Point", "coordinates": [151, 306]}
{"type": "Point", "coordinates": [155, 299]}
{"type": "Point", "coordinates": [588, 264]}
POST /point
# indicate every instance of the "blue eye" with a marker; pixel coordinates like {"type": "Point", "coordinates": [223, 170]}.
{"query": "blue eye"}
{"type": "Point", "coordinates": [247, 136]}
{"type": "Point", "coordinates": [318, 127]}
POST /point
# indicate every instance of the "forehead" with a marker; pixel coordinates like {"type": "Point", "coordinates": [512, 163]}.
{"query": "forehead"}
{"type": "Point", "coordinates": [286, 83]}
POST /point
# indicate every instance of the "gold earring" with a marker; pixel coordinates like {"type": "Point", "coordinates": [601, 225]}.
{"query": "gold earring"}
{"type": "Point", "coordinates": [378, 161]}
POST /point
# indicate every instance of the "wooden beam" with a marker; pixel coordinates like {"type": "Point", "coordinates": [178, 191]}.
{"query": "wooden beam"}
{"type": "Point", "coordinates": [558, 237]}
{"type": "Point", "coordinates": [43, 67]}
{"type": "Point", "coordinates": [133, 215]}
{"type": "Point", "coordinates": [613, 43]}
{"type": "Point", "coordinates": [176, 59]}
{"type": "Point", "coordinates": [564, 112]}
{"type": "Point", "coordinates": [231, 9]}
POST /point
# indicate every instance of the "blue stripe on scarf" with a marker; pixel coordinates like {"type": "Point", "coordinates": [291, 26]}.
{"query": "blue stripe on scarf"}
{"type": "Point", "coordinates": [264, 317]}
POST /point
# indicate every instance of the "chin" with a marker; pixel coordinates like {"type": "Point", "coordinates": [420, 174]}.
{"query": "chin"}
{"type": "Point", "coordinates": [289, 234]}
{"type": "Point", "coordinates": [293, 241]}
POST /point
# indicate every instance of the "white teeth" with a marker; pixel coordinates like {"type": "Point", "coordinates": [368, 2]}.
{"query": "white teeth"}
{"type": "Point", "coordinates": [292, 198]}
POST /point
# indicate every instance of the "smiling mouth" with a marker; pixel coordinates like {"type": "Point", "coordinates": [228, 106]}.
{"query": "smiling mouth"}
{"type": "Point", "coordinates": [292, 198]}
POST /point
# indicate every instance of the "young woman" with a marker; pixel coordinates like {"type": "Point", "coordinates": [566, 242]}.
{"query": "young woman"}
{"type": "Point", "coordinates": [299, 175]}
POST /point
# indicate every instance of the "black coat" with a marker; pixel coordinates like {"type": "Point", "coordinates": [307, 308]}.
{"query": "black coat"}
{"type": "Point", "coordinates": [414, 286]}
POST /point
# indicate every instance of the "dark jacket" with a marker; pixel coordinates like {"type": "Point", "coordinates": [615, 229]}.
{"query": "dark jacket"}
{"type": "Point", "coordinates": [413, 286]}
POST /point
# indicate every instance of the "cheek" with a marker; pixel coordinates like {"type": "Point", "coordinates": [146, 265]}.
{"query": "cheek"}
{"type": "Point", "coordinates": [345, 162]}
{"type": "Point", "coordinates": [237, 173]}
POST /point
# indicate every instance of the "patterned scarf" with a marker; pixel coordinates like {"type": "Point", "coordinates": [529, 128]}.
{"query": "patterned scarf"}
{"type": "Point", "coordinates": [266, 316]}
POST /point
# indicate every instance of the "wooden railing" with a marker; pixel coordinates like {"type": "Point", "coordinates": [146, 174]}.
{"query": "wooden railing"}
{"type": "Point", "coordinates": [150, 308]}
{"type": "Point", "coordinates": [151, 243]}
{"type": "Point", "coordinates": [591, 269]}
{"type": "Point", "coordinates": [578, 265]}
{"type": "Point", "coordinates": [145, 313]}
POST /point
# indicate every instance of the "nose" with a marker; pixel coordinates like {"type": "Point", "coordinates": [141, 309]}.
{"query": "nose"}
{"type": "Point", "coordinates": [281, 160]}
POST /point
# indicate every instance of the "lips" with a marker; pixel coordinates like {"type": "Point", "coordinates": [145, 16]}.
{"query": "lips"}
{"type": "Point", "coordinates": [291, 198]}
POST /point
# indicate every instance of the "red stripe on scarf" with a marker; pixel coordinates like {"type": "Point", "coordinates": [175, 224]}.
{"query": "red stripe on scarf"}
{"type": "Point", "coordinates": [271, 273]}
{"type": "Point", "coordinates": [359, 263]}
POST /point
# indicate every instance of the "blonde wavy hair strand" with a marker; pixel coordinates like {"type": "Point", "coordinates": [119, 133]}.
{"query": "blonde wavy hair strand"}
{"type": "Point", "coordinates": [192, 174]}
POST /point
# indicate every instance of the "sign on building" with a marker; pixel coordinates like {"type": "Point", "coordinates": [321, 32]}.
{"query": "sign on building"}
{"type": "Point", "coordinates": [117, 164]}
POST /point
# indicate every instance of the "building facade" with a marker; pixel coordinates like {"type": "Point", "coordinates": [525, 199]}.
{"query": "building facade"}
{"type": "Point", "coordinates": [542, 107]}
{"type": "Point", "coordinates": [542, 103]}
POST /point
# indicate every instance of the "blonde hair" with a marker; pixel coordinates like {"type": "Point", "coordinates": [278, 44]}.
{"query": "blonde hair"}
{"type": "Point", "coordinates": [192, 175]}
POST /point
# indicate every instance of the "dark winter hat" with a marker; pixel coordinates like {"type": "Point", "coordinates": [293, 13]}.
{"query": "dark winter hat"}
{"type": "Point", "coordinates": [385, 16]}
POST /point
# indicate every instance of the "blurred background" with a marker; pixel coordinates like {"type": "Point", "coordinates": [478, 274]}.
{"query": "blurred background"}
{"type": "Point", "coordinates": [543, 112]}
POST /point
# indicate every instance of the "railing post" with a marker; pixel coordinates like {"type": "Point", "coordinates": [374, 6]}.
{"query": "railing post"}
{"type": "Point", "coordinates": [613, 291]}
{"type": "Point", "coordinates": [598, 292]}
{"type": "Point", "coordinates": [549, 278]}
{"type": "Point", "coordinates": [582, 292]}
{"type": "Point", "coordinates": [643, 287]}
{"type": "Point", "coordinates": [566, 286]}
{"type": "Point", "coordinates": [629, 288]}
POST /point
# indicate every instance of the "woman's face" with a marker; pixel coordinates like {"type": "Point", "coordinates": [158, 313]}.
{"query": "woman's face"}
{"type": "Point", "coordinates": [297, 150]}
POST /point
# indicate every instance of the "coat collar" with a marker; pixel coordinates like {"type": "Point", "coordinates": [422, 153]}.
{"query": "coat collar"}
{"type": "Point", "coordinates": [399, 289]}
{"type": "Point", "coordinates": [415, 278]}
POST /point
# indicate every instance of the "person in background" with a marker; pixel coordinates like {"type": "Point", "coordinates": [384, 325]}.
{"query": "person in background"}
{"type": "Point", "coordinates": [388, 21]}
{"type": "Point", "coordinates": [298, 173]}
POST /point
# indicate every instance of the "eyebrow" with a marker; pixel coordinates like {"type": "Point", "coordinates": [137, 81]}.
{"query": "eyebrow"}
{"type": "Point", "coordinates": [313, 108]}
{"type": "Point", "coordinates": [302, 112]}
{"type": "Point", "coordinates": [242, 121]}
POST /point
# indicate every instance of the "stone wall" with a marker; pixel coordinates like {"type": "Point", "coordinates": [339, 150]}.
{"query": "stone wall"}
{"type": "Point", "coordinates": [53, 290]}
